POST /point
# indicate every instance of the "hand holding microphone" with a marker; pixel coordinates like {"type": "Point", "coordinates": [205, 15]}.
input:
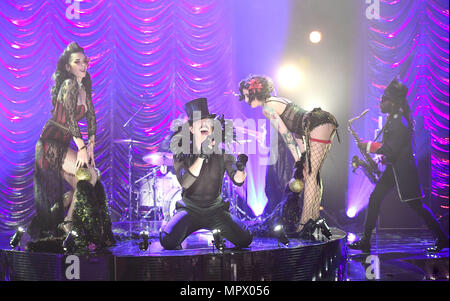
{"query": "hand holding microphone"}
{"type": "Point", "coordinates": [207, 148]}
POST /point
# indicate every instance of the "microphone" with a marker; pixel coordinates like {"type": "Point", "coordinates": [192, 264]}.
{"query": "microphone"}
{"type": "Point", "coordinates": [231, 93]}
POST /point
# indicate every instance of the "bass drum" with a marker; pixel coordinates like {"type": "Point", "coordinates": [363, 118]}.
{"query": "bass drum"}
{"type": "Point", "coordinates": [153, 191]}
{"type": "Point", "coordinates": [169, 204]}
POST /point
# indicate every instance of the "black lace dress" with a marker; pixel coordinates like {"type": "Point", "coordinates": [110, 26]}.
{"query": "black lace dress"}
{"type": "Point", "coordinates": [51, 150]}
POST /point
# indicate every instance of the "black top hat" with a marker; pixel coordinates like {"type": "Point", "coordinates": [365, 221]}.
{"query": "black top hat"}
{"type": "Point", "coordinates": [198, 109]}
{"type": "Point", "coordinates": [396, 90]}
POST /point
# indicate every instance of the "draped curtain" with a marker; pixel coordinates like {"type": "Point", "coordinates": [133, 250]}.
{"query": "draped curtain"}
{"type": "Point", "coordinates": [146, 57]}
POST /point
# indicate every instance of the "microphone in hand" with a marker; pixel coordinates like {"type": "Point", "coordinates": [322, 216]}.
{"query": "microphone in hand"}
{"type": "Point", "coordinates": [206, 148]}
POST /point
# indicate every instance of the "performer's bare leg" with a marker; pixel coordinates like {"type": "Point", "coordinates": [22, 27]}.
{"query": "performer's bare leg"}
{"type": "Point", "coordinates": [69, 171]}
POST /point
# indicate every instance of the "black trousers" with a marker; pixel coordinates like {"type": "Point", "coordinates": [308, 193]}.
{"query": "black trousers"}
{"type": "Point", "coordinates": [383, 187]}
{"type": "Point", "coordinates": [186, 221]}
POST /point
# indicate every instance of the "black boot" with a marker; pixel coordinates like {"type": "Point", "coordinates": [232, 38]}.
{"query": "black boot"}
{"type": "Point", "coordinates": [308, 230]}
{"type": "Point", "coordinates": [440, 244]}
{"type": "Point", "coordinates": [363, 245]}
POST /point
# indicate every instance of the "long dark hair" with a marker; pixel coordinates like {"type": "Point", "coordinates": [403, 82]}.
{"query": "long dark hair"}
{"type": "Point", "coordinates": [61, 74]}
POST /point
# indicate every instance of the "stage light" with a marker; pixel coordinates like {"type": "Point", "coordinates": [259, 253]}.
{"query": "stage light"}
{"type": "Point", "coordinates": [143, 245]}
{"type": "Point", "coordinates": [15, 240]}
{"type": "Point", "coordinates": [218, 241]}
{"type": "Point", "coordinates": [289, 76]}
{"type": "Point", "coordinates": [351, 237]}
{"type": "Point", "coordinates": [351, 212]}
{"type": "Point", "coordinates": [315, 36]}
{"type": "Point", "coordinates": [69, 243]}
{"type": "Point", "coordinates": [278, 230]}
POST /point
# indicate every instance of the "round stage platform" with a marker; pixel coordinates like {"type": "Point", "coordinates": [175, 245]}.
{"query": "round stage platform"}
{"type": "Point", "coordinates": [264, 260]}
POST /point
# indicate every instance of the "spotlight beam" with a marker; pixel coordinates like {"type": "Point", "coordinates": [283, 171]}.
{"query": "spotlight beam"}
{"type": "Point", "coordinates": [289, 77]}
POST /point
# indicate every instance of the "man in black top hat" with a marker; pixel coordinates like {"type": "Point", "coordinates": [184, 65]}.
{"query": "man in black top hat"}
{"type": "Point", "coordinates": [200, 166]}
{"type": "Point", "coordinates": [401, 169]}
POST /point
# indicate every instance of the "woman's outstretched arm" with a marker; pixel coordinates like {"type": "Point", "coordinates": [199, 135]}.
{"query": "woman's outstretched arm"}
{"type": "Point", "coordinates": [287, 136]}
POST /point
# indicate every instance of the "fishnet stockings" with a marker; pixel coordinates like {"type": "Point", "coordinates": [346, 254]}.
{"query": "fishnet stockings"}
{"type": "Point", "coordinates": [313, 183]}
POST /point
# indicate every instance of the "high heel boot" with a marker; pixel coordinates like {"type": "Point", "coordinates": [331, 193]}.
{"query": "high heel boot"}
{"type": "Point", "coordinates": [362, 244]}
{"type": "Point", "coordinates": [308, 230]}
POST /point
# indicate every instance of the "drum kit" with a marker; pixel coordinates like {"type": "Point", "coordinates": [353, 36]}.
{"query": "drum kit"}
{"type": "Point", "coordinates": [158, 194]}
{"type": "Point", "coordinates": [153, 196]}
{"type": "Point", "coordinates": [159, 189]}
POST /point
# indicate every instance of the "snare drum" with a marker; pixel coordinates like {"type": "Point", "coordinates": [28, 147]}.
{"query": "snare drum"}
{"type": "Point", "coordinates": [158, 192]}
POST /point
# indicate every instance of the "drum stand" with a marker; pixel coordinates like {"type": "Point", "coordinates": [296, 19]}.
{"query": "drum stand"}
{"type": "Point", "coordinates": [128, 214]}
{"type": "Point", "coordinates": [152, 172]}
{"type": "Point", "coordinates": [130, 170]}
{"type": "Point", "coordinates": [154, 208]}
{"type": "Point", "coordinates": [232, 198]}
{"type": "Point", "coordinates": [130, 182]}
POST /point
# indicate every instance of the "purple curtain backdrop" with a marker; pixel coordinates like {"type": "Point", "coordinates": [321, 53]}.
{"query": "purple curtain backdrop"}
{"type": "Point", "coordinates": [410, 39]}
{"type": "Point", "coordinates": [159, 54]}
{"type": "Point", "coordinates": [154, 54]}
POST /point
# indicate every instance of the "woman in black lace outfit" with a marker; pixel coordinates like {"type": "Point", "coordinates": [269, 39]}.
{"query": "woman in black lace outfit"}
{"type": "Point", "coordinates": [308, 136]}
{"type": "Point", "coordinates": [55, 161]}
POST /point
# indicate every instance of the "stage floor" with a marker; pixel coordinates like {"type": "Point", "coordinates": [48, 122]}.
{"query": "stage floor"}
{"type": "Point", "coordinates": [397, 255]}
{"type": "Point", "coordinates": [199, 243]}
{"type": "Point", "coordinates": [265, 259]}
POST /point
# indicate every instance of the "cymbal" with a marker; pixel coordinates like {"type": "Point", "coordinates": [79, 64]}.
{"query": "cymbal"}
{"type": "Point", "coordinates": [159, 158]}
{"type": "Point", "coordinates": [128, 141]}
